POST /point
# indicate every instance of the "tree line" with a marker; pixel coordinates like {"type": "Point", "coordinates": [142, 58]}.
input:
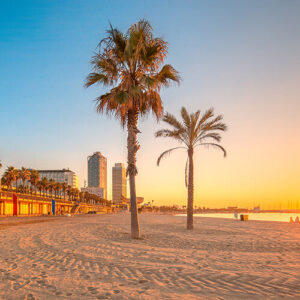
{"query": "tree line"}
{"type": "Point", "coordinates": [28, 181]}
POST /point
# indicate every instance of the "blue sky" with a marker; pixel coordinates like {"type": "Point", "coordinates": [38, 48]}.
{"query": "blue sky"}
{"type": "Point", "coordinates": [242, 57]}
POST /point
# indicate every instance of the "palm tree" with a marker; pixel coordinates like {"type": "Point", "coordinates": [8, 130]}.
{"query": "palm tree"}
{"type": "Point", "coordinates": [51, 185]}
{"type": "Point", "coordinates": [34, 178]}
{"type": "Point", "coordinates": [64, 188]}
{"type": "Point", "coordinates": [40, 186]}
{"type": "Point", "coordinates": [24, 174]}
{"type": "Point", "coordinates": [129, 64]}
{"type": "Point", "coordinates": [45, 185]}
{"type": "Point", "coordinates": [69, 192]}
{"type": "Point", "coordinates": [194, 130]}
{"type": "Point", "coordinates": [10, 176]}
{"type": "Point", "coordinates": [57, 188]}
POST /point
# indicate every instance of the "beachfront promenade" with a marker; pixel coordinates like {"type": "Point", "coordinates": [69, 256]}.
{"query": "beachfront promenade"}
{"type": "Point", "coordinates": [16, 204]}
{"type": "Point", "coordinates": [93, 257]}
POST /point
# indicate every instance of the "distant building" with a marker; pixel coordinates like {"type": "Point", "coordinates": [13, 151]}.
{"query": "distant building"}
{"type": "Point", "coordinates": [139, 201]}
{"type": "Point", "coordinates": [63, 176]}
{"type": "Point", "coordinates": [119, 183]}
{"type": "Point", "coordinates": [94, 190]}
{"type": "Point", "coordinates": [256, 209]}
{"type": "Point", "coordinates": [97, 172]}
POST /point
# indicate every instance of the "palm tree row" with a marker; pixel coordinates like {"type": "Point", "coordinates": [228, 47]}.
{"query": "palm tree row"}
{"type": "Point", "coordinates": [28, 181]}
{"type": "Point", "coordinates": [32, 184]}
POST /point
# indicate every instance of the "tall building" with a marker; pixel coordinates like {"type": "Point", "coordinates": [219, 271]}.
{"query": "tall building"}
{"type": "Point", "coordinates": [119, 183]}
{"type": "Point", "coordinates": [97, 172]}
{"type": "Point", "coordinates": [63, 176]}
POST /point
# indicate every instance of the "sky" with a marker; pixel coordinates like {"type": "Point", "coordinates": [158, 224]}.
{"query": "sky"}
{"type": "Point", "coordinates": [240, 57]}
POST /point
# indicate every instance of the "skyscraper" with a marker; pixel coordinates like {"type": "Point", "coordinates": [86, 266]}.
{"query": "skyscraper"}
{"type": "Point", "coordinates": [97, 172]}
{"type": "Point", "coordinates": [119, 183]}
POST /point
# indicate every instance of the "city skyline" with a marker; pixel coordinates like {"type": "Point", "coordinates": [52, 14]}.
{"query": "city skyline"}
{"type": "Point", "coordinates": [248, 70]}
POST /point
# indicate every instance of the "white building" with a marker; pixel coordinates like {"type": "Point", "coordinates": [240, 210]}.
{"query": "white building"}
{"type": "Point", "coordinates": [63, 176]}
{"type": "Point", "coordinates": [119, 183]}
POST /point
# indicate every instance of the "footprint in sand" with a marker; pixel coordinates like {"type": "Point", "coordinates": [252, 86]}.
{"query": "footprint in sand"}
{"type": "Point", "coordinates": [92, 290]}
{"type": "Point", "coordinates": [102, 297]}
{"type": "Point", "coordinates": [16, 286]}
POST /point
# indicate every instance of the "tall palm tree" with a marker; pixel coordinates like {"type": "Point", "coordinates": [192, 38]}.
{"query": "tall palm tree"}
{"type": "Point", "coordinates": [130, 65]}
{"type": "Point", "coordinates": [194, 130]}
{"type": "Point", "coordinates": [34, 178]}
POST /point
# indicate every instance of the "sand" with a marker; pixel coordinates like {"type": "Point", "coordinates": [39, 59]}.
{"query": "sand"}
{"type": "Point", "coordinates": [93, 257]}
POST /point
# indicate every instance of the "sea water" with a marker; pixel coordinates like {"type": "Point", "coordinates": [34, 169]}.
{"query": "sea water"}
{"type": "Point", "coordinates": [279, 217]}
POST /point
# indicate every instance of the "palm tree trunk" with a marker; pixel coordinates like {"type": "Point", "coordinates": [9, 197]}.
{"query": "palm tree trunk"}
{"type": "Point", "coordinates": [132, 147]}
{"type": "Point", "coordinates": [190, 204]}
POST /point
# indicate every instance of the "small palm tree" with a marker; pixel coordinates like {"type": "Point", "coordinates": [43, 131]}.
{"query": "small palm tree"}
{"type": "Point", "coordinates": [39, 186]}
{"type": "Point", "coordinates": [51, 186]}
{"type": "Point", "coordinates": [34, 178]}
{"type": "Point", "coordinates": [10, 176]}
{"type": "Point", "coordinates": [57, 188]}
{"type": "Point", "coordinates": [64, 189]}
{"type": "Point", "coordinates": [69, 192]}
{"type": "Point", "coordinates": [24, 174]}
{"type": "Point", "coordinates": [130, 65]}
{"type": "Point", "coordinates": [194, 130]}
{"type": "Point", "coordinates": [45, 185]}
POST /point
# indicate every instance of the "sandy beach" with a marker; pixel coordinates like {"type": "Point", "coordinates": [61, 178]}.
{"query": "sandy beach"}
{"type": "Point", "coordinates": [93, 257]}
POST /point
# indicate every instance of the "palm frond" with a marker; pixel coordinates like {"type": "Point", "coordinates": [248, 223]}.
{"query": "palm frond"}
{"type": "Point", "coordinates": [93, 78]}
{"type": "Point", "coordinates": [186, 117]}
{"type": "Point", "coordinates": [171, 120]}
{"type": "Point", "coordinates": [176, 134]}
{"type": "Point", "coordinates": [166, 153]}
{"type": "Point", "coordinates": [166, 75]}
{"type": "Point", "coordinates": [213, 135]}
{"type": "Point", "coordinates": [208, 114]}
{"type": "Point", "coordinates": [121, 97]}
{"type": "Point", "coordinates": [214, 145]}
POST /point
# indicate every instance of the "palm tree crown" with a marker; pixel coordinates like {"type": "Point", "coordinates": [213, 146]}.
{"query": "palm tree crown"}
{"type": "Point", "coordinates": [130, 64]}
{"type": "Point", "coordinates": [194, 130]}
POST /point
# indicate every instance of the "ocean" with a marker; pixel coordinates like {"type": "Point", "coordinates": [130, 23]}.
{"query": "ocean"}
{"type": "Point", "coordinates": [279, 217]}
